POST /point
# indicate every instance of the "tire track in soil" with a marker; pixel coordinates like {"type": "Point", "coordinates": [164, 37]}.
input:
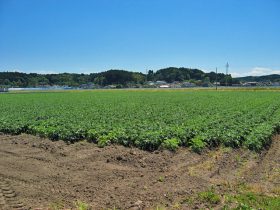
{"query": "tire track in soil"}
{"type": "Point", "coordinates": [46, 189]}
{"type": "Point", "coordinates": [8, 198]}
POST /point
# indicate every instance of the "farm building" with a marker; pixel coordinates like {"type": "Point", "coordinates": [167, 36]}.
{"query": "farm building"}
{"type": "Point", "coordinates": [3, 90]}
{"type": "Point", "coordinates": [164, 86]}
{"type": "Point", "coordinates": [250, 84]}
{"type": "Point", "coordinates": [160, 83]}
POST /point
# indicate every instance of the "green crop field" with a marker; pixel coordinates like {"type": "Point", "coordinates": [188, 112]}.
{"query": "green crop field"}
{"type": "Point", "coordinates": [146, 119]}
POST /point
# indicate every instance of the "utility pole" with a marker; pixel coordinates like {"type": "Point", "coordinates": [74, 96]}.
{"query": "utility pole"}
{"type": "Point", "coordinates": [216, 78]}
{"type": "Point", "coordinates": [146, 75]}
{"type": "Point", "coordinates": [227, 66]}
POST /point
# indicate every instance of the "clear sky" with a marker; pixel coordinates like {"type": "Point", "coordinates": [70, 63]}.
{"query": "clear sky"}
{"type": "Point", "coordinates": [84, 36]}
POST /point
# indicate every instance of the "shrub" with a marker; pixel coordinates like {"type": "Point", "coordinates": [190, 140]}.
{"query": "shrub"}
{"type": "Point", "coordinates": [197, 144]}
{"type": "Point", "coordinates": [171, 144]}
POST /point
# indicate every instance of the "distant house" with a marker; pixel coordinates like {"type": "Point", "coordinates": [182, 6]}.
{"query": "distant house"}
{"type": "Point", "coordinates": [187, 84]}
{"type": "Point", "coordinates": [150, 83]}
{"type": "Point", "coordinates": [175, 85]}
{"type": "Point", "coordinates": [217, 83]}
{"type": "Point", "coordinates": [3, 90]}
{"type": "Point", "coordinates": [160, 82]}
{"type": "Point", "coordinates": [235, 85]}
{"type": "Point", "coordinates": [276, 84]}
{"type": "Point", "coordinates": [250, 84]}
{"type": "Point", "coordinates": [164, 86]}
{"type": "Point", "coordinates": [87, 86]}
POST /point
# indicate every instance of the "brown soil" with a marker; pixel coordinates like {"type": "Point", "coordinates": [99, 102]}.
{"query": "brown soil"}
{"type": "Point", "coordinates": [38, 173]}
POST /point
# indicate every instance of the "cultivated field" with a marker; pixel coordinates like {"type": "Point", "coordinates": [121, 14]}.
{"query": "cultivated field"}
{"type": "Point", "coordinates": [184, 149]}
{"type": "Point", "coordinates": [146, 119]}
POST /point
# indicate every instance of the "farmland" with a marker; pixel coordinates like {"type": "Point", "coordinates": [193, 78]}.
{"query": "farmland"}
{"type": "Point", "coordinates": [148, 120]}
{"type": "Point", "coordinates": [140, 149]}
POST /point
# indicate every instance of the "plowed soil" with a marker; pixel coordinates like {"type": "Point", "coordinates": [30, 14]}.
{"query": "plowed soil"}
{"type": "Point", "coordinates": [37, 173]}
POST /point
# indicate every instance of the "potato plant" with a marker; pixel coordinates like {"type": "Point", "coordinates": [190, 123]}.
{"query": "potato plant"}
{"type": "Point", "coordinates": [146, 119]}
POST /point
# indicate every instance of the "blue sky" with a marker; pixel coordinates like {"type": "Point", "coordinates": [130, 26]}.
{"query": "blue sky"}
{"type": "Point", "coordinates": [51, 36]}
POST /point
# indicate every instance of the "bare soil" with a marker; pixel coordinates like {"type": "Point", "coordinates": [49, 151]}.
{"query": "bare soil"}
{"type": "Point", "coordinates": [37, 173]}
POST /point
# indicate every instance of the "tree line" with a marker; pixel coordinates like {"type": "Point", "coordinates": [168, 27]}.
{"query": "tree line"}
{"type": "Point", "coordinates": [112, 77]}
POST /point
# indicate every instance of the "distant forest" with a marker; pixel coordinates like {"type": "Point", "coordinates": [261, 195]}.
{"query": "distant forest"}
{"type": "Point", "coordinates": [113, 77]}
{"type": "Point", "coordinates": [266, 78]}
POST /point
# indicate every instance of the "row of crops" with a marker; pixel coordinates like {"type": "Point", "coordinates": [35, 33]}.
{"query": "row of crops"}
{"type": "Point", "coordinates": [146, 119]}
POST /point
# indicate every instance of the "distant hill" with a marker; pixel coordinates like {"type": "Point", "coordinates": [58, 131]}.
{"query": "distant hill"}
{"type": "Point", "coordinates": [121, 78]}
{"type": "Point", "coordinates": [271, 78]}
{"type": "Point", "coordinates": [172, 74]}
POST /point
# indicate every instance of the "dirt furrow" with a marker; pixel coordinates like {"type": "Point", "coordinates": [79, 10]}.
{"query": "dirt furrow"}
{"type": "Point", "coordinates": [40, 173]}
